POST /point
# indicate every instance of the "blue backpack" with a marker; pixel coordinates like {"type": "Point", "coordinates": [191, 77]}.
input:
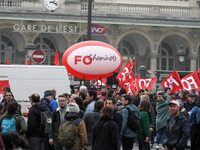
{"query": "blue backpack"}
{"type": "Point", "coordinates": [8, 124]}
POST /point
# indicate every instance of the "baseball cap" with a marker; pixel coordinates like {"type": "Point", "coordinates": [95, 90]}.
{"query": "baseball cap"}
{"type": "Point", "coordinates": [176, 102]}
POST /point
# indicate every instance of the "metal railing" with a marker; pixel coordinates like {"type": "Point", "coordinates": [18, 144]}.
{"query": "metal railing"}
{"type": "Point", "coordinates": [103, 9]}
{"type": "Point", "coordinates": [10, 3]}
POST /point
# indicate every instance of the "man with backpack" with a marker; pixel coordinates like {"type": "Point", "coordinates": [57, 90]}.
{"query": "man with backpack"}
{"type": "Point", "coordinates": [72, 133]}
{"type": "Point", "coordinates": [35, 131]}
{"type": "Point", "coordinates": [58, 117]}
{"type": "Point", "coordinates": [130, 116]}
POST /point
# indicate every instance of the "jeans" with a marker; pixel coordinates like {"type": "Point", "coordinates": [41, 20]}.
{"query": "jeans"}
{"type": "Point", "coordinates": [36, 143]}
{"type": "Point", "coordinates": [161, 136]}
{"type": "Point", "coordinates": [127, 143]}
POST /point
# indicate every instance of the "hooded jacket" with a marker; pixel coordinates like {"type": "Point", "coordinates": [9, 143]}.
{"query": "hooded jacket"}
{"type": "Point", "coordinates": [34, 120]}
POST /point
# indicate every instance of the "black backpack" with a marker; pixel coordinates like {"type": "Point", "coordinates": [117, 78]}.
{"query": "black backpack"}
{"type": "Point", "coordinates": [133, 120]}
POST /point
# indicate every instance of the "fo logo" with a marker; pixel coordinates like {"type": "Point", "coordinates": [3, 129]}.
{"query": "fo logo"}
{"type": "Point", "coordinates": [87, 60]}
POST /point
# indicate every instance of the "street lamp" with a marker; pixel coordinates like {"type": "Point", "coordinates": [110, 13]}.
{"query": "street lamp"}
{"type": "Point", "coordinates": [89, 37]}
{"type": "Point", "coordinates": [181, 55]}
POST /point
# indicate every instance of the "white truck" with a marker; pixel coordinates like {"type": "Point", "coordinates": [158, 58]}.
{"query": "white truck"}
{"type": "Point", "coordinates": [25, 80]}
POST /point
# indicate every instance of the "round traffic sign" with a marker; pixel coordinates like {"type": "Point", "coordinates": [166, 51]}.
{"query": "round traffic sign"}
{"type": "Point", "coordinates": [38, 56]}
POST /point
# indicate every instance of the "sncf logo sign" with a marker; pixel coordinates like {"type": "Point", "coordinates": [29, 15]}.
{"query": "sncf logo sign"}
{"type": "Point", "coordinates": [98, 29]}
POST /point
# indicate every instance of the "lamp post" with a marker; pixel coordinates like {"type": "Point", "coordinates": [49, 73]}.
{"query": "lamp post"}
{"type": "Point", "coordinates": [181, 56]}
{"type": "Point", "coordinates": [89, 21]}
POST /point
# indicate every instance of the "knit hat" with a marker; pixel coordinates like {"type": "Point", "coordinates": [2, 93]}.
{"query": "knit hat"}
{"type": "Point", "coordinates": [48, 93]}
{"type": "Point", "coordinates": [73, 107]}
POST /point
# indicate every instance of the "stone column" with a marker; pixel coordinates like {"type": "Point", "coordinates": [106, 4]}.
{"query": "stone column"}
{"type": "Point", "coordinates": [153, 61]}
{"type": "Point", "coordinates": [114, 31]}
{"type": "Point", "coordinates": [193, 62]}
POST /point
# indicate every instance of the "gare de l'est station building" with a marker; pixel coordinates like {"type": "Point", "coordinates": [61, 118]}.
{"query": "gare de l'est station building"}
{"type": "Point", "coordinates": [162, 35]}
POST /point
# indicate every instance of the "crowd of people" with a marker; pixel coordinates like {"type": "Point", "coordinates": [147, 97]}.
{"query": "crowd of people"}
{"type": "Point", "coordinates": [108, 121]}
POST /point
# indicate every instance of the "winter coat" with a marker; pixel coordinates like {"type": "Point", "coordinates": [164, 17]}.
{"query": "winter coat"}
{"type": "Point", "coordinates": [162, 109]}
{"type": "Point", "coordinates": [105, 135]}
{"type": "Point", "coordinates": [34, 121]}
{"type": "Point", "coordinates": [117, 118]}
{"type": "Point", "coordinates": [144, 124]}
{"type": "Point", "coordinates": [126, 131]}
{"type": "Point", "coordinates": [56, 121]}
{"type": "Point", "coordinates": [90, 119]}
{"type": "Point", "coordinates": [178, 133]}
{"type": "Point", "coordinates": [81, 141]}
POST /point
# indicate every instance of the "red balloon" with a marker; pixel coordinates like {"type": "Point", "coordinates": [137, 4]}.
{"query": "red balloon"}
{"type": "Point", "coordinates": [92, 60]}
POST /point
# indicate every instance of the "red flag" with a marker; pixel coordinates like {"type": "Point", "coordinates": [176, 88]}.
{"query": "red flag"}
{"type": "Point", "coordinates": [172, 81]}
{"type": "Point", "coordinates": [146, 84]}
{"type": "Point", "coordinates": [56, 58]}
{"type": "Point", "coordinates": [28, 61]}
{"type": "Point", "coordinates": [191, 81]}
{"type": "Point", "coordinates": [6, 61]}
{"type": "Point", "coordinates": [125, 74]}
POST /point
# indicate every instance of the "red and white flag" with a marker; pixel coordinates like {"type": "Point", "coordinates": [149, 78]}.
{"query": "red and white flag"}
{"type": "Point", "coordinates": [146, 84]}
{"type": "Point", "coordinates": [191, 81]}
{"type": "Point", "coordinates": [126, 73]}
{"type": "Point", "coordinates": [172, 81]}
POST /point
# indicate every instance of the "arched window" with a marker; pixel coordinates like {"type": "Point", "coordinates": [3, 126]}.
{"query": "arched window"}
{"type": "Point", "coordinates": [126, 48]}
{"type": "Point", "coordinates": [48, 46]}
{"type": "Point", "coordinates": [165, 57]}
{"type": "Point", "coordinates": [6, 50]}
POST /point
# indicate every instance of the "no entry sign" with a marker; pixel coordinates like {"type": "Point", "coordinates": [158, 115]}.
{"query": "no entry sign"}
{"type": "Point", "coordinates": [38, 56]}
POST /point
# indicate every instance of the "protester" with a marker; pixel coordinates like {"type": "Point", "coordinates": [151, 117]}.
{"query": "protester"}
{"type": "Point", "coordinates": [116, 115]}
{"type": "Point", "coordinates": [144, 129]}
{"type": "Point", "coordinates": [91, 118]}
{"type": "Point", "coordinates": [13, 121]}
{"type": "Point", "coordinates": [128, 136]}
{"type": "Point", "coordinates": [190, 102]}
{"type": "Point", "coordinates": [5, 89]}
{"type": "Point", "coordinates": [54, 103]}
{"type": "Point", "coordinates": [35, 133]}
{"type": "Point", "coordinates": [194, 121]}
{"type": "Point", "coordinates": [8, 98]}
{"type": "Point", "coordinates": [91, 99]}
{"type": "Point", "coordinates": [45, 102]}
{"type": "Point", "coordinates": [162, 109]}
{"type": "Point", "coordinates": [81, 138]}
{"type": "Point", "coordinates": [178, 130]}
{"type": "Point", "coordinates": [105, 132]}
{"type": "Point", "coordinates": [58, 118]}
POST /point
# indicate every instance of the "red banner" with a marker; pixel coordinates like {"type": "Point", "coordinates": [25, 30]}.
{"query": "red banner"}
{"type": "Point", "coordinates": [191, 81]}
{"type": "Point", "coordinates": [146, 84]}
{"type": "Point", "coordinates": [126, 73]}
{"type": "Point", "coordinates": [172, 81]}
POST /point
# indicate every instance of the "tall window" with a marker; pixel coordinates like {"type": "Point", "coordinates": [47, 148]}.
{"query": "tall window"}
{"type": "Point", "coordinates": [48, 46]}
{"type": "Point", "coordinates": [165, 57]}
{"type": "Point", "coordinates": [6, 50]}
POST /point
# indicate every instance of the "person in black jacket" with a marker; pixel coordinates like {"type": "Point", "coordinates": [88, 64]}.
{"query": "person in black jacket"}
{"type": "Point", "coordinates": [45, 102]}
{"type": "Point", "coordinates": [105, 132]}
{"type": "Point", "coordinates": [34, 133]}
{"type": "Point", "coordinates": [58, 117]}
{"type": "Point", "coordinates": [178, 129]}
